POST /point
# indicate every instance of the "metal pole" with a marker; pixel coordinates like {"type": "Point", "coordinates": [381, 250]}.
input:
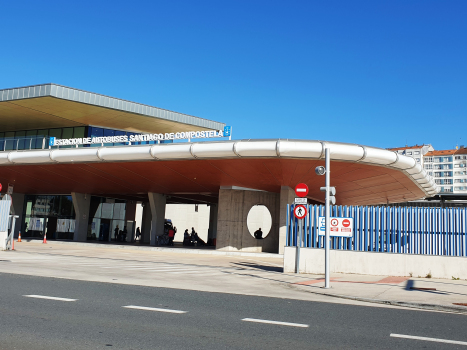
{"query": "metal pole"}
{"type": "Point", "coordinates": [327, 219]}
{"type": "Point", "coordinates": [299, 244]}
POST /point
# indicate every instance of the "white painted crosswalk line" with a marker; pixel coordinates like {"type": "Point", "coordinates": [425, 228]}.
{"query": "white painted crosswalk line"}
{"type": "Point", "coordinates": [279, 323]}
{"type": "Point", "coordinates": [48, 297]}
{"type": "Point", "coordinates": [145, 308]}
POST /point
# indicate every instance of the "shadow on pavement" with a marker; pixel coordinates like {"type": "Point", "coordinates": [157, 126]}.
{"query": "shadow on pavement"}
{"type": "Point", "coordinates": [261, 267]}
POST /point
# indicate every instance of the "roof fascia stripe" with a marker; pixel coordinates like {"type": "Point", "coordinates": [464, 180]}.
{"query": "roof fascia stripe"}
{"type": "Point", "coordinates": [81, 96]}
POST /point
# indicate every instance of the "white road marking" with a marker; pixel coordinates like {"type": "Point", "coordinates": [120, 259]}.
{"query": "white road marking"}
{"type": "Point", "coordinates": [49, 298]}
{"type": "Point", "coordinates": [276, 322]}
{"type": "Point", "coordinates": [154, 309]}
{"type": "Point", "coordinates": [428, 339]}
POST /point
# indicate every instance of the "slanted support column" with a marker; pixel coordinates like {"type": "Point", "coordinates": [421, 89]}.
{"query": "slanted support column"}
{"type": "Point", "coordinates": [81, 203]}
{"type": "Point", "coordinates": [146, 223]}
{"type": "Point", "coordinates": [212, 232]}
{"type": "Point", "coordinates": [287, 196]}
{"type": "Point", "coordinates": [157, 204]}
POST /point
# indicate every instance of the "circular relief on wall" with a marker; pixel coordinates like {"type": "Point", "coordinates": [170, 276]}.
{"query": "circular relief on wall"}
{"type": "Point", "coordinates": [259, 221]}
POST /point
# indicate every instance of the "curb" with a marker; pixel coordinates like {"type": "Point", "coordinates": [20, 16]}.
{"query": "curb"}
{"type": "Point", "coordinates": [413, 305]}
{"type": "Point", "coordinates": [161, 249]}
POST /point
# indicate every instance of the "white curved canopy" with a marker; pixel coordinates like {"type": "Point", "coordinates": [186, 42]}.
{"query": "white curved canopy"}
{"type": "Point", "coordinates": [297, 149]}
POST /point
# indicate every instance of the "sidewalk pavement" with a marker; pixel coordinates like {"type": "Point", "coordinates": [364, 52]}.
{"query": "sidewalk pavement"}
{"type": "Point", "coordinates": [234, 272]}
{"type": "Point", "coordinates": [416, 292]}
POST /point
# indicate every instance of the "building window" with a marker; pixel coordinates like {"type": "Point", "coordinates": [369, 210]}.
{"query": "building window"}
{"type": "Point", "coordinates": [416, 153]}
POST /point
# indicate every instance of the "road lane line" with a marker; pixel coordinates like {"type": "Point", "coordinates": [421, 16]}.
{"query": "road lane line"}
{"type": "Point", "coordinates": [154, 309]}
{"type": "Point", "coordinates": [428, 339]}
{"type": "Point", "coordinates": [276, 322]}
{"type": "Point", "coordinates": [49, 298]}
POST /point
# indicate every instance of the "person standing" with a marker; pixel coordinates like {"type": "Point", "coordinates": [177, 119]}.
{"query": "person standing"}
{"type": "Point", "coordinates": [171, 236]}
{"type": "Point", "coordinates": [194, 236]}
{"type": "Point", "coordinates": [186, 238]}
{"type": "Point", "coordinates": [137, 234]}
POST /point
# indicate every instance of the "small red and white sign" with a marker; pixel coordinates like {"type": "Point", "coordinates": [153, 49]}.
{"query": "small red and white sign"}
{"type": "Point", "coordinates": [301, 190]}
{"type": "Point", "coordinates": [299, 211]}
{"type": "Point", "coordinates": [339, 227]}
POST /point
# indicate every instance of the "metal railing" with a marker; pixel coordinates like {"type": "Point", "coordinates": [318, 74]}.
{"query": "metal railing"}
{"type": "Point", "coordinates": [403, 230]}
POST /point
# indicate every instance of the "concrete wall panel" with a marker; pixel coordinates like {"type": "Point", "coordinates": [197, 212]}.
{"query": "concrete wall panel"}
{"type": "Point", "coordinates": [371, 263]}
{"type": "Point", "coordinates": [232, 230]}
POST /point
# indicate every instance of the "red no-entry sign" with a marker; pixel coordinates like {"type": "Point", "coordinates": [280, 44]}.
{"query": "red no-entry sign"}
{"type": "Point", "coordinates": [301, 190]}
{"type": "Point", "coordinates": [299, 211]}
{"type": "Point", "coordinates": [0, 187]}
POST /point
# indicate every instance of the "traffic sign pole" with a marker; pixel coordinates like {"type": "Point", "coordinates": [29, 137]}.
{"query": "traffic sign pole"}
{"type": "Point", "coordinates": [299, 244]}
{"type": "Point", "coordinates": [327, 219]}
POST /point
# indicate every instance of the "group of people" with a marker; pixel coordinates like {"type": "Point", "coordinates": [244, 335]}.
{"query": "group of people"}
{"type": "Point", "coordinates": [170, 231]}
{"type": "Point", "coordinates": [120, 235]}
{"type": "Point", "coordinates": [192, 239]}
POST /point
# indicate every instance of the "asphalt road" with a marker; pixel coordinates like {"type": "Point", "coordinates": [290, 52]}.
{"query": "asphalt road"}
{"type": "Point", "coordinates": [96, 318]}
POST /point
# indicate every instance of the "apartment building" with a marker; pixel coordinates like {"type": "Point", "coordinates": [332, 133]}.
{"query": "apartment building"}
{"type": "Point", "coordinates": [417, 152]}
{"type": "Point", "coordinates": [447, 167]}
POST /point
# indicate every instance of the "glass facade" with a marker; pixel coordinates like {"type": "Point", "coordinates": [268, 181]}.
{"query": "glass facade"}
{"type": "Point", "coordinates": [39, 139]}
{"type": "Point", "coordinates": [107, 219]}
{"type": "Point", "coordinates": [54, 216]}
{"type": "Point", "coordinates": [50, 215]}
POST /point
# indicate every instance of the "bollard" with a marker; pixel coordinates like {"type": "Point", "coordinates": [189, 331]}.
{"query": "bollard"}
{"type": "Point", "coordinates": [45, 239]}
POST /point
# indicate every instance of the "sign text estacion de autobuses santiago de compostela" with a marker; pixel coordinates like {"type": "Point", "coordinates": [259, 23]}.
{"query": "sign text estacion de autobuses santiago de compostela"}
{"type": "Point", "coordinates": [139, 138]}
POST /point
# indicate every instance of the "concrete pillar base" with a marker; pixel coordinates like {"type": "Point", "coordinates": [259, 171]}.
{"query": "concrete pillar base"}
{"type": "Point", "coordinates": [157, 204]}
{"type": "Point", "coordinates": [81, 203]}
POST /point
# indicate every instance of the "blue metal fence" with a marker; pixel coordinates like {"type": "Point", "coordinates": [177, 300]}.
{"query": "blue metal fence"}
{"type": "Point", "coordinates": [404, 230]}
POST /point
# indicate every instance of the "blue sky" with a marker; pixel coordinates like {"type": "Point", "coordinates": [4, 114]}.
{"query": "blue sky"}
{"type": "Point", "coordinates": [378, 73]}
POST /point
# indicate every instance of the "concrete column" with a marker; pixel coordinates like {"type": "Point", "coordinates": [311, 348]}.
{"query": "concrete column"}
{"type": "Point", "coordinates": [212, 232]}
{"type": "Point", "coordinates": [287, 196]}
{"type": "Point", "coordinates": [17, 208]}
{"type": "Point", "coordinates": [157, 203]}
{"type": "Point", "coordinates": [146, 223]}
{"type": "Point", "coordinates": [81, 203]}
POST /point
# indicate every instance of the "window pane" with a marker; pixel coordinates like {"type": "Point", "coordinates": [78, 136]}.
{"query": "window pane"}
{"type": "Point", "coordinates": [95, 132]}
{"type": "Point", "coordinates": [66, 206]}
{"type": "Point", "coordinates": [67, 133]}
{"type": "Point", "coordinates": [79, 132]}
{"type": "Point", "coordinates": [40, 139]}
{"type": "Point", "coordinates": [119, 211]}
{"type": "Point", "coordinates": [108, 132]}
{"type": "Point", "coordinates": [20, 139]}
{"type": "Point", "coordinates": [119, 133]}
